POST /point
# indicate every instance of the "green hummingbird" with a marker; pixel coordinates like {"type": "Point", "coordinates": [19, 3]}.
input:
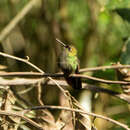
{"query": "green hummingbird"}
{"type": "Point", "coordinates": [69, 64]}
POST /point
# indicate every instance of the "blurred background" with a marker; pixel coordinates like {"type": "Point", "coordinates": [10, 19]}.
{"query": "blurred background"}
{"type": "Point", "coordinates": [97, 28]}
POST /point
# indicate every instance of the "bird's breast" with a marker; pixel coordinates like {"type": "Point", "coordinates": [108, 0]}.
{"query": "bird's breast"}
{"type": "Point", "coordinates": [68, 64]}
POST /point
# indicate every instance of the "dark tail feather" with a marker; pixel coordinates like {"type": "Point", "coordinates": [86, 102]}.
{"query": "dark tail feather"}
{"type": "Point", "coordinates": [74, 82]}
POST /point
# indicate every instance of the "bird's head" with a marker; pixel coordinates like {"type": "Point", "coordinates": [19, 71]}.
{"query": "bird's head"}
{"type": "Point", "coordinates": [70, 50]}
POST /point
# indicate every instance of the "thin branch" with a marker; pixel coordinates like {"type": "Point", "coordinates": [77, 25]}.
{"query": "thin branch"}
{"type": "Point", "coordinates": [57, 74]}
{"type": "Point", "coordinates": [62, 75]}
{"type": "Point", "coordinates": [19, 81]}
{"type": "Point", "coordinates": [93, 88]}
{"type": "Point", "coordinates": [118, 66]}
{"type": "Point", "coordinates": [28, 81]}
{"type": "Point", "coordinates": [19, 114]}
{"type": "Point", "coordinates": [23, 81]}
{"type": "Point", "coordinates": [31, 74]}
{"type": "Point", "coordinates": [34, 66]}
{"type": "Point", "coordinates": [5, 32]}
{"type": "Point", "coordinates": [81, 111]}
{"type": "Point", "coordinates": [100, 80]}
{"type": "Point", "coordinates": [22, 60]}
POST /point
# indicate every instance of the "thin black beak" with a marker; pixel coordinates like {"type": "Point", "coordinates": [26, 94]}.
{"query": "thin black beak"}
{"type": "Point", "coordinates": [64, 45]}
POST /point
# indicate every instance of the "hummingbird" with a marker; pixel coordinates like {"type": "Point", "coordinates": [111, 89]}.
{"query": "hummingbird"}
{"type": "Point", "coordinates": [69, 64]}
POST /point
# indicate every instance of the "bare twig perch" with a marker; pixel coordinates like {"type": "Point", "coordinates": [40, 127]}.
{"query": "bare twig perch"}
{"type": "Point", "coordinates": [35, 67]}
{"type": "Point", "coordinates": [32, 81]}
{"type": "Point", "coordinates": [80, 111]}
{"type": "Point", "coordinates": [60, 75]}
{"type": "Point", "coordinates": [22, 60]}
{"type": "Point", "coordinates": [100, 80]}
{"type": "Point", "coordinates": [116, 66]}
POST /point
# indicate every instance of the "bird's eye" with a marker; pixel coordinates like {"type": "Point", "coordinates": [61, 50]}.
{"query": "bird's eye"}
{"type": "Point", "coordinates": [70, 49]}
